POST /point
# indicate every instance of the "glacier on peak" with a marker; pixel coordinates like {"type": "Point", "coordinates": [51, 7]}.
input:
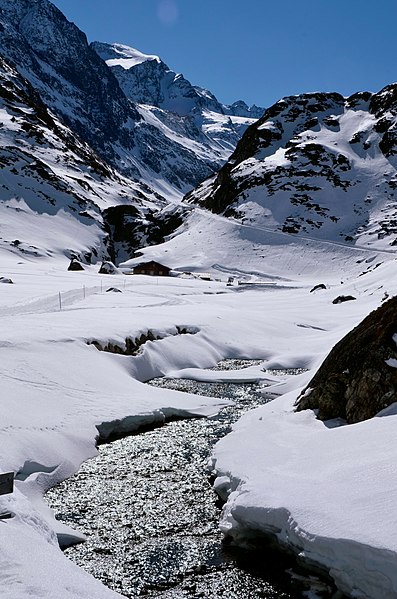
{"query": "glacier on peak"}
{"type": "Point", "coordinates": [151, 71]}
{"type": "Point", "coordinates": [120, 54]}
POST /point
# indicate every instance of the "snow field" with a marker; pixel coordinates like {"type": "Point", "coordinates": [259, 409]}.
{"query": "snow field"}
{"type": "Point", "coordinates": [58, 391]}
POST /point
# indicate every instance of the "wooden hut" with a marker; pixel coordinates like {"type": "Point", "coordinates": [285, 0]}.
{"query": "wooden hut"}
{"type": "Point", "coordinates": [152, 268]}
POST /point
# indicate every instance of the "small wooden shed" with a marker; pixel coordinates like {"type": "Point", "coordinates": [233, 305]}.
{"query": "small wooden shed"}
{"type": "Point", "coordinates": [152, 268]}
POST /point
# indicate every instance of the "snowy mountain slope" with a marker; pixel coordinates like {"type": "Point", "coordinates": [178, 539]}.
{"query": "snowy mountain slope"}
{"type": "Point", "coordinates": [317, 165]}
{"type": "Point", "coordinates": [51, 181]}
{"type": "Point", "coordinates": [188, 115]}
{"type": "Point", "coordinates": [52, 107]}
{"type": "Point", "coordinates": [212, 243]}
{"type": "Point", "coordinates": [53, 54]}
{"type": "Point", "coordinates": [145, 156]}
{"type": "Point", "coordinates": [78, 86]}
{"type": "Point", "coordinates": [322, 489]}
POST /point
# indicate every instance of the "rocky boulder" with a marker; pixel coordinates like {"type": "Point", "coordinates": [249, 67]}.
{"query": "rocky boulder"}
{"type": "Point", "coordinates": [358, 378]}
{"type": "Point", "coordinates": [108, 268]}
{"type": "Point", "coordinates": [343, 298]}
{"type": "Point", "coordinates": [75, 265]}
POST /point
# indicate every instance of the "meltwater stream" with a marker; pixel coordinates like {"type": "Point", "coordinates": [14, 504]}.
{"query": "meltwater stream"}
{"type": "Point", "coordinates": [151, 518]}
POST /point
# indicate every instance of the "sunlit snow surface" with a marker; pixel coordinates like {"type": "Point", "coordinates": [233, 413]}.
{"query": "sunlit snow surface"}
{"type": "Point", "coordinates": [330, 493]}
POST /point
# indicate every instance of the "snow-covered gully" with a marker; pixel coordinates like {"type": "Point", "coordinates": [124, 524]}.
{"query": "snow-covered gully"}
{"type": "Point", "coordinates": [151, 518]}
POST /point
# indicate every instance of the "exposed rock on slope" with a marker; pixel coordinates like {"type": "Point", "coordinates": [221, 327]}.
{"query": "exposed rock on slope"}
{"type": "Point", "coordinates": [54, 188]}
{"type": "Point", "coordinates": [53, 54]}
{"type": "Point", "coordinates": [317, 164]}
{"type": "Point", "coordinates": [358, 378]}
{"type": "Point", "coordinates": [166, 149]}
{"type": "Point", "coordinates": [128, 230]}
{"type": "Point", "coordinates": [200, 131]}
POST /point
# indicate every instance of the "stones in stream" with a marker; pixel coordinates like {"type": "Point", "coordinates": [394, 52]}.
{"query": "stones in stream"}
{"type": "Point", "coordinates": [151, 517]}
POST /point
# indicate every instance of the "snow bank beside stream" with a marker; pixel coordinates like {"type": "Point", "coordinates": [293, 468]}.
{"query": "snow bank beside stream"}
{"type": "Point", "coordinates": [326, 490]}
{"type": "Point", "coordinates": [329, 493]}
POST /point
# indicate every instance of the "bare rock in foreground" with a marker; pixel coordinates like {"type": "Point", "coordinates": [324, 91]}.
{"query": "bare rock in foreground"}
{"type": "Point", "coordinates": [358, 378]}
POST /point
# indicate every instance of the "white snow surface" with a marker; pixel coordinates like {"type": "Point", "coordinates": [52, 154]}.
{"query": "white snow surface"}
{"type": "Point", "coordinates": [129, 57]}
{"type": "Point", "coordinates": [327, 492]}
{"type": "Point", "coordinates": [325, 177]}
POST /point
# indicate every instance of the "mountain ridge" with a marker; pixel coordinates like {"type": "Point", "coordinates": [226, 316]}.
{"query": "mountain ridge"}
{"type": "Point", "coordinates": [318, 164]}
{"type": "Point", "coordinates": [127, 163]}
{"type": "Point", "coordinates": [78, 86]}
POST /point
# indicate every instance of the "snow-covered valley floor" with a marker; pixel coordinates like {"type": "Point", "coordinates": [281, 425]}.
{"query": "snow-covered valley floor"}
{"type": "Point", "coordinates": [330, 493]}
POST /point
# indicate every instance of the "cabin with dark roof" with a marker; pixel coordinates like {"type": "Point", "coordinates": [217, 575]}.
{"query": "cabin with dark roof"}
{"type": "Point", "coordinates": [152, 268]}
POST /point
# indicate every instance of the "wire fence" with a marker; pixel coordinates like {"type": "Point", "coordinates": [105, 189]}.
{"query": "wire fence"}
{"type": "Point", "coordinates": [60, 300]}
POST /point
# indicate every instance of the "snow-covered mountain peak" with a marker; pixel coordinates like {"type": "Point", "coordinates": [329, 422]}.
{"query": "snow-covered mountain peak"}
{"type": "Point", "coordinates": [119, 143]}
{"type": "Point", "coordinates": [150, 81]}
{"type": "Point", "coordinates": [241, 108]}
{"type": "Point", "coordinates": [122, 55]}
{"type": "Point", "coordinates": [200, 132]}
{"type": "Point", "coordinates": [317, 165]}
{"type": "Point", "coordinates": [154, 143]}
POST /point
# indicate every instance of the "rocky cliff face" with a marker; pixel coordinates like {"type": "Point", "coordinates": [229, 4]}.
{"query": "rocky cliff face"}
{"type": "Point", "coordinates": [200, 132]}
{"type": "Point", "coordinates": [317, 165]}
{"type": "Point", "coordinates": [53, 54]}
{"type": "Point", "coordinates": [73, 141]}
{"type": "Point", "coordinates": [358, 379]}
{"type": "Point", "coordinates": [54, 189]}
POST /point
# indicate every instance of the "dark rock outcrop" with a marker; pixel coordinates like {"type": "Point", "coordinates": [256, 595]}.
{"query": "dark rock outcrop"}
{"type": "Point", "coordinates": [343, 298]}
{"type": "Point", "coordinates": [129, 229]}
{"type": "Point", "coordinates": [292, 173]}
{"type": "Point", "coordinates": [358, 378]}
{"type": "Point", "coordinates": [75, 265]}
{"type": "Point", "coordinates": [107, 268]}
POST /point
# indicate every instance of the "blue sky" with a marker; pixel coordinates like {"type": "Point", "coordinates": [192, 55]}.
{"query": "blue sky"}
{"type": "Point", "coordinates": [255, 50]}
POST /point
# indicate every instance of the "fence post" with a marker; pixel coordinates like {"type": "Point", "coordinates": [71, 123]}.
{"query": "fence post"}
{"type": "Point", "coordinates": [60, 301]}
